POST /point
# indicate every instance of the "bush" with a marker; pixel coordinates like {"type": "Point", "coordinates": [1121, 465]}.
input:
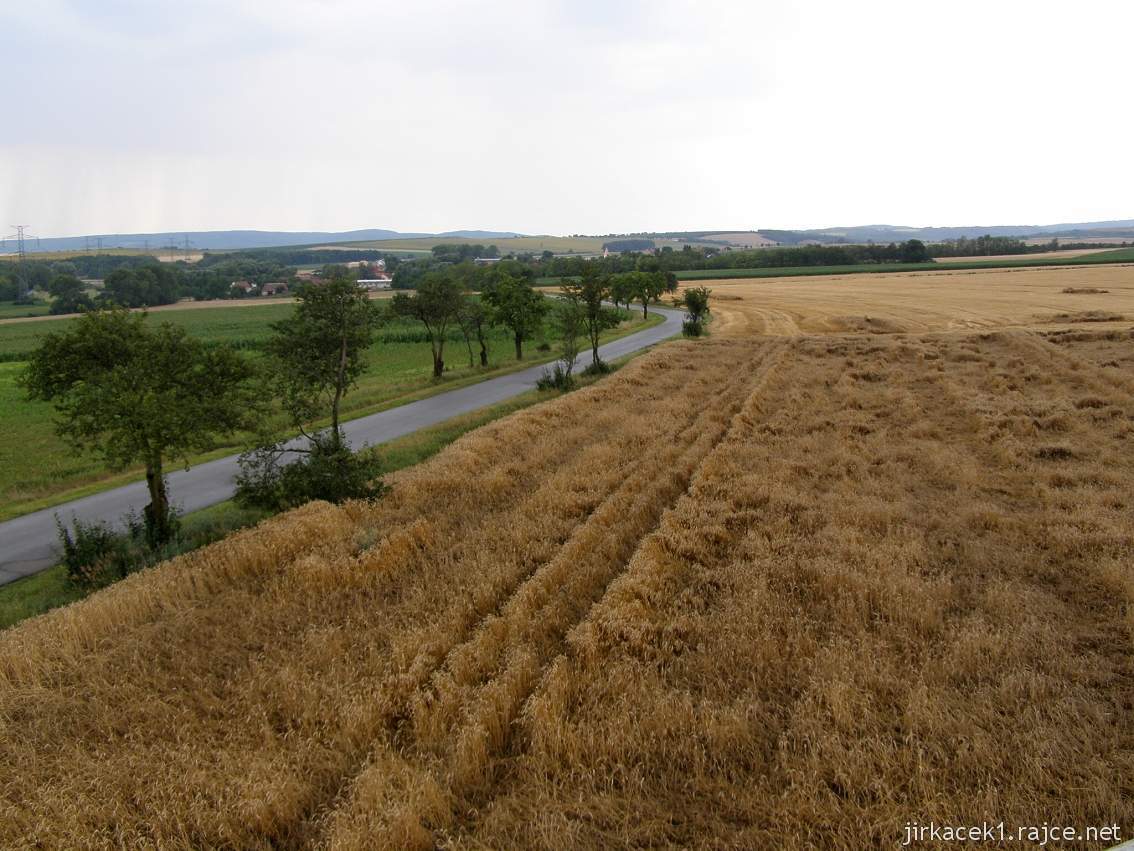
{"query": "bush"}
{"type": "Point", "coordinates": [87, 551]}
{"type": "Point", "coordinates": [692, 327]}
{"type": "Point", "coordinates": [95, 555]}
{"type": "Point", "coordinates": [557, 378]}
{"type": "Point", "coordinates": [598, 367]}
{"type": "Point", "coordinates": [328, 471]}
{"type": "Point", "coordinates": [544, 347]}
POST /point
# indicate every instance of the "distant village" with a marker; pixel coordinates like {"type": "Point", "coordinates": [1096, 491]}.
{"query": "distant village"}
{"type": "Point", "coordinates": [372, 276]}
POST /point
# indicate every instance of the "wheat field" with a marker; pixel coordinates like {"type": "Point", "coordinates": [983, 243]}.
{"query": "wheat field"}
{"type": "Point", "coordinates": [922, 301]}
{"type": "Point", "coordinates": [754, 592]}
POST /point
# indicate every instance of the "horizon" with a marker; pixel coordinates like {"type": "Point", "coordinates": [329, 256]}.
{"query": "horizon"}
{"type": "Point", "coordinates": [492, 233]}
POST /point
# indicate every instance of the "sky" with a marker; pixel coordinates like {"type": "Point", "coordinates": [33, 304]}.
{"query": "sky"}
{"type": "Point", "coordinates": [562, 116]}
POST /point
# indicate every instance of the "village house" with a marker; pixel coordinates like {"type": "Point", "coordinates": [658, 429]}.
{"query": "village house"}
{"type": "Point", "coordinates": [380, 281]}
{"type": "Point", "coordinates": [274, 288]}
{"type": "Point", "coordinates": [243, 288]}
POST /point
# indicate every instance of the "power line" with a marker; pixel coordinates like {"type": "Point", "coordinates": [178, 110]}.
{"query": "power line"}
{"type": "Point", "coordinates": [20, 236]}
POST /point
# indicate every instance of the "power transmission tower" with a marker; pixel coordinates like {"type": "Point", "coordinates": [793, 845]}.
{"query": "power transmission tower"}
{"type": "Point", "coordinates": [20, 236]}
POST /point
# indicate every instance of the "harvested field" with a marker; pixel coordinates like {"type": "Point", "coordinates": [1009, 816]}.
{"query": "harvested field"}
{"type": "Point", "coordinates": [801, 592]}
{"type": "Point", "coordinates": [916, 301]}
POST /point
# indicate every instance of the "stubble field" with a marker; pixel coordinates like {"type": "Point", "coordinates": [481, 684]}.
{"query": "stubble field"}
{"type": "Point", "coordinates": [925, 301]}
{"type": "Point", "coordinates": [749, 592]}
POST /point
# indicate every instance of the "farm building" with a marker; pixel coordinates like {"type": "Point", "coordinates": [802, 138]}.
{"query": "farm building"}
{"type": "Point", "coordinates": [275, 288]}
{"type": "Point", "coordinates": [378, 282]}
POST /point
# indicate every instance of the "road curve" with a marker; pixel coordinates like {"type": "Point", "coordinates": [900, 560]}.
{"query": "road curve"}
{"type": "Point", "coordinates": [28, 544]}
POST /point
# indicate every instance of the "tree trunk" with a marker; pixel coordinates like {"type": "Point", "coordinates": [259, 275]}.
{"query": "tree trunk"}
{"type": "Point", "coordinates": [340, 381]}
{"type": "Point", "coordinates": [645, 309]}
{"type": "Point", "coordinates": [438, 366]}
{"type": "Point", "coordinates": [483, 354]}
{"type": "Point", "coordinates": [156, 514]}
{"type": "Point", "coordinates": [519, 347]}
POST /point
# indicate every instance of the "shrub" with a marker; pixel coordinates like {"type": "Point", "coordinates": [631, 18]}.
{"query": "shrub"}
{"type": "Point", "coordinates": [87, 551]}
{"type": "Point", "coordinates": [95, 555]}
{"type": "Point", "coordinates": [557, 378]}
{"type": "Point", "coordinates": [692, 327]}
{"type": "Point", "coordinates": [544, 347]}
{"type": "Point", "coordinates": [598, 367]}
{"type": "Point", "coordinates": [326, 470]}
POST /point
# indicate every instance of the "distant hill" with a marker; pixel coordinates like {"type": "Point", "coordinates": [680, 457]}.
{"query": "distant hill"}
{"type": "Point", "coordinates": [899, 233]}
{"type": "Point", "coordinates": [243, 239]}
{"type": "Point", "coordinates": [236, 239]}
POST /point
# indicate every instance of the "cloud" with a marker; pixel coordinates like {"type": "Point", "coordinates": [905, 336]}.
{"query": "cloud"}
{"type": "Point", "coordinates": [559, 116]}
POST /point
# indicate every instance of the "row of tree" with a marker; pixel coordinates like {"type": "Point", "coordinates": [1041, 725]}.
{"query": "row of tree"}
{"type": "Point", "coordinates": [139, 393]}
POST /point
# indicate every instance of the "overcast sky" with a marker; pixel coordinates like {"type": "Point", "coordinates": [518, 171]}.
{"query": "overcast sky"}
{"type": "Point", "coordinates": [562, 116]}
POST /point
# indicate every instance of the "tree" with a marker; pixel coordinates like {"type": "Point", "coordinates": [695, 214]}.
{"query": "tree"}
{"type": "Point", "coordinates": [474, 320]}
{"type": "Point", "coordinates": [69, 295]}
{"type": "Point", "coordinates": [914, 251]}
{"type": "Point", "coordinates": [591, 294]}
{"type": "Point", "coordinates": [515, 305]}
{"type": "Point", "coordinates": [436, 304]}
{"type": "Point", "coordinates": [141, 287]}
{"type": "Point", "coordinates": [696, 304]}
{"type": "Point", "coordinates": [568, 321]}
{"type": "Point", "coordinates": [641, 286]}
{"type": "Point", "coordinates": [136, 394]}
{"type": "Point", "coordinates": [64, 285]}
{"type": "Point", "coordinates": [318, 353]}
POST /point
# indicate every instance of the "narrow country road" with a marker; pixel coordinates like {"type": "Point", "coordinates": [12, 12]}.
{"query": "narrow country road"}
{"type": "Point", "coordinates": [29, 544]}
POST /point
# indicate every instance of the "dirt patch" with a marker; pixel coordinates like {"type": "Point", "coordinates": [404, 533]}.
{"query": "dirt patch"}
{"type": "Point", "coordinates": [1084, 290]}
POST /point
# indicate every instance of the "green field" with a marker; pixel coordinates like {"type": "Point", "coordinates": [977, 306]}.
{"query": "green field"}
{"type": "Point", "coordinates": [1117, 256]}
{"type": "Point", "coordinates": [11, 310]}
{"type": "Point", "coordinates": [38, 470]}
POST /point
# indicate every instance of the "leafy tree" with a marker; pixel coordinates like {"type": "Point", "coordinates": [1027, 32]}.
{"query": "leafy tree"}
{"type": "Point", "coordinates": [696, 304]}
{"type": "Point", "coordinates": [64, 285]}
{"type": "Point", "coordinates": [318, 353]}
{"type": "Point", "coordinates": [136, 394]}
{"type": "Point", "coordinates": [141, 287]}
{"type": "Point", "coordinates": [914, 251]}
{"type": "Point", "coordinates": [568, 321]}
{"type": "Point", "coordinates": [516, 306]}
{"type": "Point", "coordinates": [474, 321]}
{"type": "Point", "coordinates": [317, 356]}
{"type": "Point", "coordinates": [72, 302]}
{"type": "Point", "coordinates": [69, 295]}
{"type": "Point", "coordinates": [591, 293]}
{"type": "Point", "coordinates": [436, 304]}
{"type": "Point", "coordinates": [642, 286]}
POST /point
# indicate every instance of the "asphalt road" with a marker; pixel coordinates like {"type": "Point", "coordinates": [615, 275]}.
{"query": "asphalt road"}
{"type": "Point", "coordinates": [29, 544]}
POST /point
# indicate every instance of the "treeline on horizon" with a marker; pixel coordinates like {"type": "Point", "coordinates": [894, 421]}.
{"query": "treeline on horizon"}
{"type": "Point", "coordinates": [143, 281]}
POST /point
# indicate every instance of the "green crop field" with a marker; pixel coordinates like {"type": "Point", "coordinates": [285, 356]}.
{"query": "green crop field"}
{"type": "Point", "coordinates": [37, 469]}
{"type": "Point", "coordinates": [1117, 256]}
{"type": "Point", "coordinates": [11, 310]}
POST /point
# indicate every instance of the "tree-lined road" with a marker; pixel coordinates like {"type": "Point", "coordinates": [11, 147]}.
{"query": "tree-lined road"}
{"type": "Point", "coordinates": [29, 544]}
